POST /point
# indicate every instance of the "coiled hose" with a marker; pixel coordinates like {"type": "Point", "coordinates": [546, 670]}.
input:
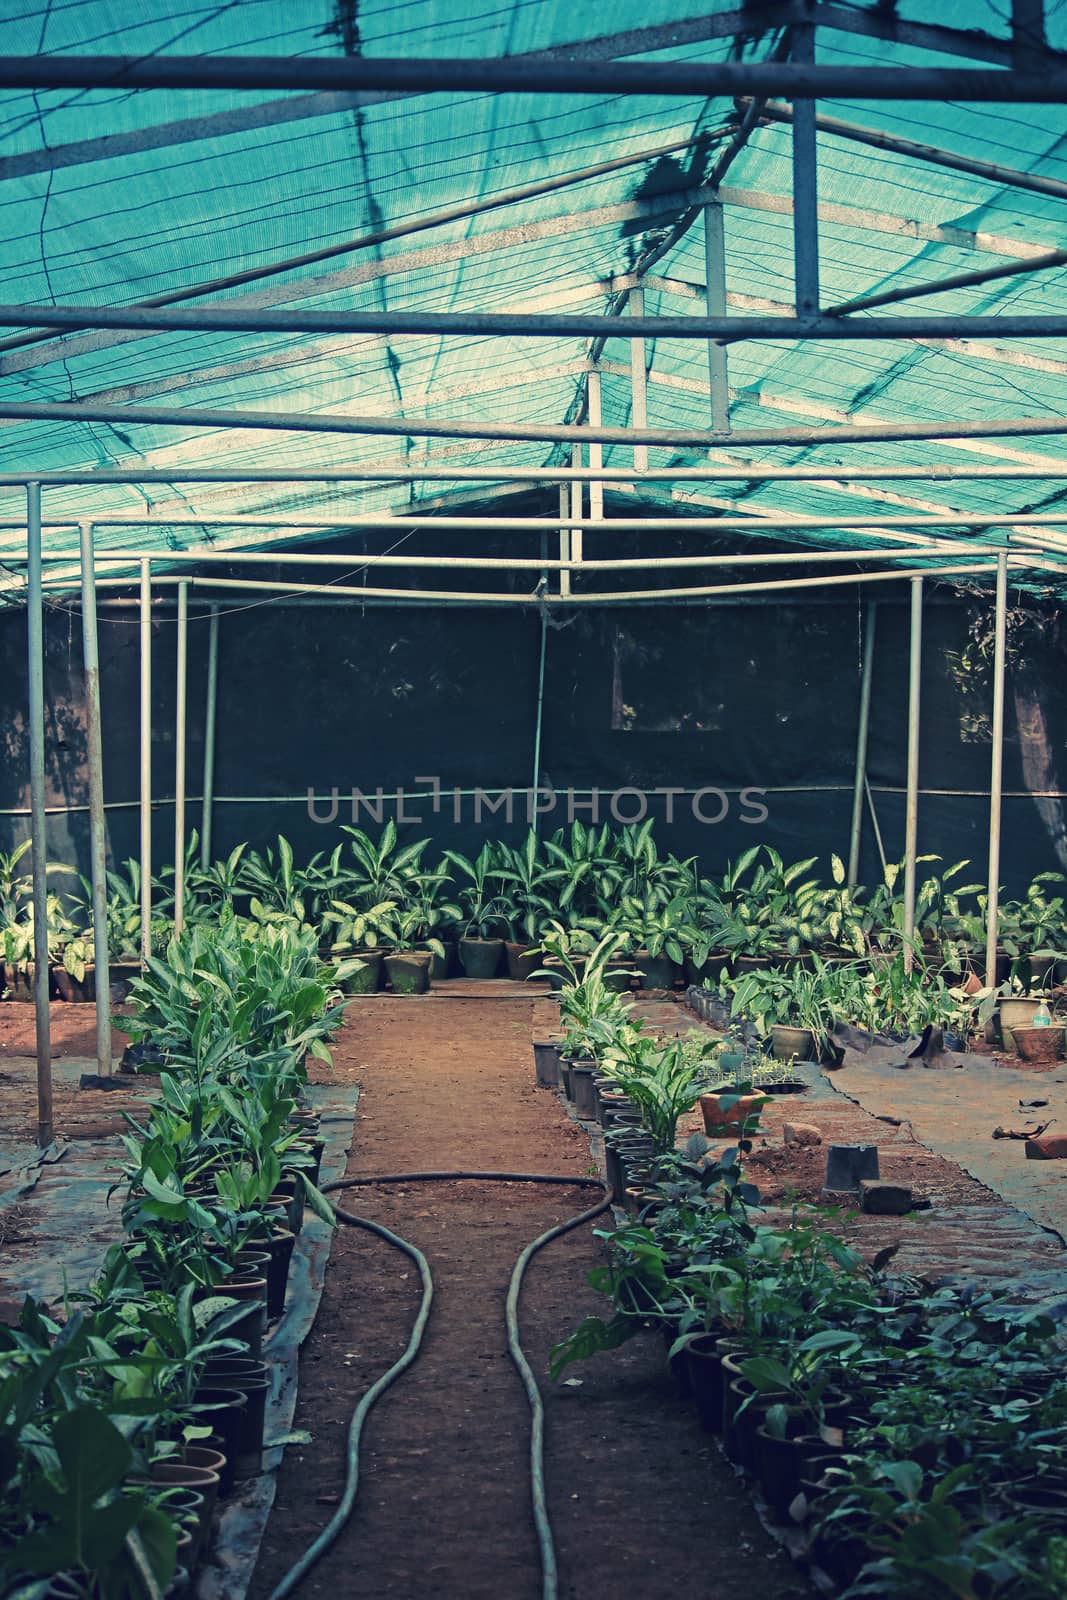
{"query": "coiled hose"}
{"type": "Point", "coordinates": [319, 1546]}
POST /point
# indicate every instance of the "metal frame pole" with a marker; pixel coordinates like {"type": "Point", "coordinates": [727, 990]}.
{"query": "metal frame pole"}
{"type": "Point", "coordinates": [638, 381]}
{"type": "Point", "coordinates": [208, 795]}
{"type": "Point", "coordinates": [38, 826]}
{"type": "Point", "coordinates": [539, 719]}
{"type": "Point", "coordinates": [715, 277]}
{"type": "Point", "coordinates": [911, 815]}
{"type": "Point", "coordinates": [596, 449]}
{"type": "Point", "coordinates": [996, 779]}
{"type": "Point", "coordinates": [564, 540]}
{"type": "Point", "coordinates": [861, 745]}
{"type": "Point", "coordinates": [805, 188]}
{"type": "Point", "coordinates": [576, 506]}
{"type": "Point", "coordinates": [145, 787]}
{"type": "Point", "coordinates": [179, 754]}
{"type": "Point", "coordinates": [94, 745]}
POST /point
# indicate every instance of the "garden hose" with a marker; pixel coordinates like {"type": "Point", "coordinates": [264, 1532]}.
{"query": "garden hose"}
{"type": "Point", "coordinates": [319, 1546]}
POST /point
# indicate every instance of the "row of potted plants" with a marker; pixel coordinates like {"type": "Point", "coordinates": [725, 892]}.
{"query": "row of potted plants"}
{"type": "Point", "coordinates": [125, 1417]}
{"type": "Point", "coordinates": [489, 912]}
{"type": "Point", "coordinates": [910, 1433]}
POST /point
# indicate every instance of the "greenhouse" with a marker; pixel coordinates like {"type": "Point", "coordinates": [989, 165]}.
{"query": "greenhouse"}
{"type": "Point", "coordinates": [533, 838]}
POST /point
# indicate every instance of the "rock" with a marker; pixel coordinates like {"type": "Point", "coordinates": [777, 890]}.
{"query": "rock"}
{"type": "Point", "coordinates": [1047, 1147]}
{"type": "Point", "coordinates": [883, 1199]}
{"type": "Point", "coordinates": [802, 1133]}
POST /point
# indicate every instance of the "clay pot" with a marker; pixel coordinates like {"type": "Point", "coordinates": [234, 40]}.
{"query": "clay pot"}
{"type": "Point", "coordinates": [523, 960]}
{"type": "Point", "coordinates": [789, 1043]}
{"type": "Point", "coordinates": [1039, 1046]}
{"type": "Point", "coordinates": [727, 1122]}
{"type": "Point", "coordinates": [178, 1475]}
{"type": "Point", "coordinates": [656, 972]}
{"type": "Point", "coordinates": [1015, 1013]}
{"type": "Point", "coordinates": [480, 958]}
{"type": "Point", "coordinates": [76, 991]}
{"type": "Point", "coordinates": [369, 977]}
{"type": "Point", "coordinates": [408, 971]}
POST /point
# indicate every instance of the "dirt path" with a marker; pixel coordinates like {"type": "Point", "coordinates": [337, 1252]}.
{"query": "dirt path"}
{"type": "Point", "coordinates": [640, 1501]}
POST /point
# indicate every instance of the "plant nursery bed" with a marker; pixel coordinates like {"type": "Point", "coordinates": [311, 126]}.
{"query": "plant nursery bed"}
{"type": "Point", "coordinates": [641, 1501]}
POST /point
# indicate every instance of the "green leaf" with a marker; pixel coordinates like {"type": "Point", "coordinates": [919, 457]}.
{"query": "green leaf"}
{"type": "Point", "coordinates": [318, 1202]}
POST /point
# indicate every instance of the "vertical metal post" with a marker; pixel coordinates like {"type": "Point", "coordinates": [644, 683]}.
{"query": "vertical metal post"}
{"type": "Point", "coordinates": [209, 736]}
{"type": "Point", "coordinates": [536, 815]}
{"type": "Point", "coordinates": [596, 449]}
{"type": "Point", "coordinates": [145, 794]}
{"type": "Point", "coordinates": [638, 382]}
{"type": "Point", "coordinates": [564, 537]}
{"type": "Point", "coordinates": [996, 779]}
{"type": "Point", "coordinates": [576, 505]}
{"type": "Point", "coordinates": [911, 814]}
{"type": "Point", "coordinates": [94, 746]}
{"type": "Point", "coordinates": [861, 745]}
{"type": "Point", "coordinates": [179, 757]}
{"type": "Point", "coordinates": [805, 186]}
{"type": "Point", "coordinates": [715, 277]}
{"type": "Point", "coordinates": [39, 855]}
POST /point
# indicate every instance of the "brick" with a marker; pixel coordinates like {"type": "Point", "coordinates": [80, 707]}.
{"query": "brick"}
{"type": "Point", "coordinates": [882, 1199]}
{"type": "Point", "coordinates": [1047, 1147]}
{"type": "Point", "coordinates": [801, 1133]}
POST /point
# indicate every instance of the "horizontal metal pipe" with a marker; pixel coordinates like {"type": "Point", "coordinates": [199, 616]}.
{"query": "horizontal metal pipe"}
{"type": "Point", "coordinates": [551, 475]}
{"type": "Point", "coordinates": [1040, 82]}
{"type": "Point", "coordinates": [410, 427]}
{"type": "Point", "coordinates": [251, 586]}
{"type": "Point", "coordinates": [293, 558]}
{"type": "Point", "coordinates": [509, 324]}
{"type": "Point", "coordinates": [1007, 177]}
{"type": "Point", "coordinates": [650, 524]}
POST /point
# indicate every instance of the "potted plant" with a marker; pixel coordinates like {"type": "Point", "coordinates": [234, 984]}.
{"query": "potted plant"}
{"type": "Point", "coordinates": [407, 967]}
{"type": "Point", "coordinates": [363, 934]}
{"type": "Point", "coordinates": [481, 944]}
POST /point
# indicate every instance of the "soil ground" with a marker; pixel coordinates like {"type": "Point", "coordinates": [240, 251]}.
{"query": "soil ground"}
{"type": "Point", "coordinates": [640, 1499]}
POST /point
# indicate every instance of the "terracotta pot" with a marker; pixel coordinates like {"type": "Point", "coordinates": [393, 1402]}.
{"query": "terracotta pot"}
{"type": "Point", "coordinates": [19, 982]}
{"type": "Point", "coordinates": [1013, 1012]}
{"type": "Point", "coordinates": [76, 991]}
{"type": "Point", "coordinates": [176, 1474]}
{"type": "Point", "coordinates": [1039, 1046]}
{"type": "Point", "coordinates": [523, 960]}
{"type": "Point", "coordinates": [727, 1122]}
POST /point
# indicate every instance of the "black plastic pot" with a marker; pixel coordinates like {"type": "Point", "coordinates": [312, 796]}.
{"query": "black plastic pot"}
{"type": "Point", "coordinates": [146, 1057]}
{"type": "Point", "coordinates": [656, 972]}
{"type": "Point", "coordinates": [280, 1244]}
{"type": "Point", "coordinates": [224, 1408]}
{"type": "Point", "coordinates": [704, 1360]}
{"type": "Point", "coordinates": [252, 1379]}
{"type": "Point", "coordinates": [546, 1063]}
{"type": "Point", "coordinates": [582, 1091]}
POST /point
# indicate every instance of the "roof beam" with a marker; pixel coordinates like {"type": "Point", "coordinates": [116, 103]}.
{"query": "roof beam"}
{"type": "Point", "coordinates": [933, 155]}
{"type": "Point", "coordinates": [969, 43]}
{"type": "Point", "coordinates": [422, 427]}
{"type": "Point", "coordinates": [1040, 82]}
{"type": "Point", "coordinates": [244, 119]}
{"type": "Point", "coordinates": [434, 324]}
{"type": "Point", "coordinates": [958, 280]}
{"type": "Point", "coordinates": [520, 234]}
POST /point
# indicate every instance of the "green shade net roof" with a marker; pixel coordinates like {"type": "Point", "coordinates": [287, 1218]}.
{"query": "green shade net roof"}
{"type": "Point", "coordinates": [149, 215]}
